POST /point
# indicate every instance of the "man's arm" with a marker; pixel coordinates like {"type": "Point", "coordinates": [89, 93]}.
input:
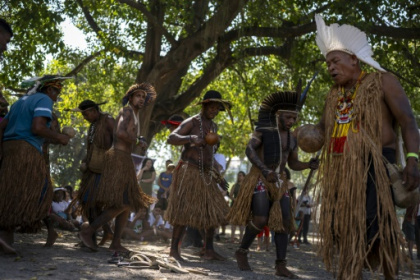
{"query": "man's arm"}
{"type": "Point", "coordinates": [40, 128]}
{"type": "Point", "coordinates": [297, 165]}
{"type": "Point", "coordinates": [181, 135]}
{"type": "Point", "coordinates": [251, 152]}
{"type": "Point", "coordinates": [3, 125]}
{"type": "Point", "coordinates": [110, 125]}
{"type": "Point", "coordinates": [398, 103]}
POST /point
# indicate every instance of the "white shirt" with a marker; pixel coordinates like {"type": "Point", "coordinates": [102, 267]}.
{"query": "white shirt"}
{"type": "Point", "coordinates": [152, 220]}
{"type": "Point", "coordinates": [59, 206]}
{"type": "Point", "coordinates": [304, 209]}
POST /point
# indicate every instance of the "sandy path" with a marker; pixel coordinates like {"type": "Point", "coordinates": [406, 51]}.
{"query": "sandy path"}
{"type": "Point", "coordinates": [65, 261]}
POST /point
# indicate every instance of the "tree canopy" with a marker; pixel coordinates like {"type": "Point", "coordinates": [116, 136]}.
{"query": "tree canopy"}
{"type": "Point", "coordinates": [244, 49]}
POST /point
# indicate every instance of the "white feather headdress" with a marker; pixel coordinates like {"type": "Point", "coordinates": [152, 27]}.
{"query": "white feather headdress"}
{"type": "Point", "coordinates": [345, 38]}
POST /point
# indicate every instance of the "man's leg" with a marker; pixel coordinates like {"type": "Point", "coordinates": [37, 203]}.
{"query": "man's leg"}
{"type": "Point", "coordinates": [260, 209]}
{"type": "Point", "coordinates": [6, 241]}
{"type": "Point", "coordinates": [209, 253]}
{"type": "Point", "coordinates": [177, 234]}
{"type": "Point", "coordinates": [232, 233]}
{"type": "Point", "coordinates": [87, 230]}
{"type": "Point", "coordinates": [120, 223]}
{"type": "Point", "coordinates": [281, 240]}
{"type": "Point", "coordinates": [306, 220]}
{"type": "Point", "coordinates": [108, 234]}
{"type": "Point", "coordinates": [52, 234]}
{"type": "Point", "coordinates": [417, 235]}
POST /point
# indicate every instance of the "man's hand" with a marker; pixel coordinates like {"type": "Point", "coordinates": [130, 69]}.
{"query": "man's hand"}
{"type": "Point", "coordinates": [197, 141]}
{"type": "Point", "coordinates": [411, 175]}
{"type": "Point", "coordinates": [141, 142]}
{"type": "Point", "coordinates": [63, 139]}
{"type": "Point", "coordinates": [314, 163]}
{"type": "Point", "coordinates": [271, 176]}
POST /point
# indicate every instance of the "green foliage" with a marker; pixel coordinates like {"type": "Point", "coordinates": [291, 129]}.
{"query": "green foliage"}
{"type": "Point", "coordinates": [128, 48]}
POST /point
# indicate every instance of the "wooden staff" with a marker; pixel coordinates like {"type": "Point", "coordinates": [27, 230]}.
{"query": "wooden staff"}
{"type": "Point", "coordinates": [305, 188]}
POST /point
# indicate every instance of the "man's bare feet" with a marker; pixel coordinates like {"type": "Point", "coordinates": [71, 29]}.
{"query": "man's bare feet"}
{"type": "Point", "coordinates": [85, 236]}
{"type": "Point", "coordinates": [118, 248]}
{"type": "Point", "coordinates": [105, 238]}
{"type": "Point", "coordinates": [212, 255]}
{"type": "Point", "coordinates": [51, 238]}
{"type": "Point", "coordinates": [7, 249]}
{"type": "Point", "coordinates": [175, 254]}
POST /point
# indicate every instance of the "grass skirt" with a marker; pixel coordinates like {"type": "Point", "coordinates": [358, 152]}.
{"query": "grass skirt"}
{"type": "Point", "coordinates": [118, 186]}
{"type": "Point", "coordinates": [240, 212]}
{"type": "Point", "coordinates": [192, 202]}
{"type": "Point", "coordinates": [25, 189]}
{"type": "Point", "coordinates": [88, 190]}
{"type": "Point", "coordinates": [342, 224]}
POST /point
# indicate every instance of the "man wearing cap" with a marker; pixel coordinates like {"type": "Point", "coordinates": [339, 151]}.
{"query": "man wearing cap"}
{"type": "Point", "coordinates": [195, 199]}
{"type": "Point", "coordinates": [358, 216]}
{"type": "Point", "coordinates": [119, 192]}
{"type": "Point", "coordinates": [25, 190]}
{"type": "Point", "coordinates": [99, 140]}
{"type": "Point", "coordinates": [264, 198]}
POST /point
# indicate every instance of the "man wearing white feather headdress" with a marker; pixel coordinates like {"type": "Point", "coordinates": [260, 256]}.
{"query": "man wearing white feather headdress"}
{"type": "Point", "coordinates": [361, 111]}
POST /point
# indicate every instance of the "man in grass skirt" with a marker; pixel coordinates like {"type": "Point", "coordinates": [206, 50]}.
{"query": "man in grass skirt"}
{"type": "Point", "coordinates": [99, 140]}
{"type": "Point", "coordinates": [195, 199]}
{"type": "Point", "coordinates": [264, 198]}
{"type": "Point", "coordinates": [119, 192]}
{"type": "Point", "coordinates": [25, 189]}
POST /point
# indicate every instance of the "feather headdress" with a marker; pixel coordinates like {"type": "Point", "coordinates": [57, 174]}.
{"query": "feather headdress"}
{"type": "Point", "coordinates": [37, 83]}
{"type": "Point", "coordinates": [292, 101]}
{"type": "Point", "coordinates": [345, 38]}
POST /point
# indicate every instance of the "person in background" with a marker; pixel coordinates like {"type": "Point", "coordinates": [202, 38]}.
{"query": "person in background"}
{"type": "Point", "coordinates": [233, 194]}
{"type": "Point", "coordinates": [147, 176]}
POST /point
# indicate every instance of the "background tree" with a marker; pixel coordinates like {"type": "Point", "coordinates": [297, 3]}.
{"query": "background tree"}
{"type": "Point", "coordinates": [245, 49]}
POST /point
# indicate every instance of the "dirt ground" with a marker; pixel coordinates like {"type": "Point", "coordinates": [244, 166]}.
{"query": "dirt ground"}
{"type": "Point", "coordinates": [66, 261]}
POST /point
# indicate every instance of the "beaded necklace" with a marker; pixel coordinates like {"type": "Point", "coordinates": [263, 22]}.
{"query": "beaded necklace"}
{"type": "Point", "coordinates": [91, 133]}
{"type": "Point", "coordinates": [136, 120]}
{"type": "Point", "coordinates": [344, 110]}
{"type": "Point", "coordinates": [344, 116]}
{"type": "Point", "coordinates": [200, 156]}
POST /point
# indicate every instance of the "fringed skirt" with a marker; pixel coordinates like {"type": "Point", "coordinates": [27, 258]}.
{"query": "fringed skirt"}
{"type": "Point", "coordinates": [118, 186]}
{"type": "Point", "coordinates": [89, 187]}
{"type": "Point", "coordinates": [194, 203]}
{"type": "Point", "coordinates": [25, 188]}
{"type": "Point", "coordinates": [241, 211]}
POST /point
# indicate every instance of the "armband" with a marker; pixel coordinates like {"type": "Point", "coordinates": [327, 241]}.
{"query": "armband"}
{"type": "Point", "coordinates": [414, 155]}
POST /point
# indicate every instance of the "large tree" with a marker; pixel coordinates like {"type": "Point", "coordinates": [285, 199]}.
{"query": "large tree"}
{"type": "Point", "coordinates": [245, 49]}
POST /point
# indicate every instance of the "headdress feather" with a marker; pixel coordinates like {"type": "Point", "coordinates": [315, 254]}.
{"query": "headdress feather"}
{"type": "Point", "coordinates": [345, 38]}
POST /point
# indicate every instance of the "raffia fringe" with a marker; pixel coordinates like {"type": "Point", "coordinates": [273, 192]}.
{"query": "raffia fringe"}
{"type": "Point", "coordinates": [118, 186]}
{"type": "Point", "coordinates": [23, 175]}
{"type": "Point", "coordinates": [88, 187]}
{"type": "Point", "coordinates": [192, 202]}
{"type": "Point", "coordinates": [342, 225]}
{"type": "Point", "coordinates": [240, 212]}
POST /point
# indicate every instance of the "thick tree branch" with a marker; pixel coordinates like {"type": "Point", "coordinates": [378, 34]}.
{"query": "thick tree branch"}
{"type": "Point", "coordinates": [199, 9]}
{"type": "Point", "coordinates": [92, 23]}
{"type": "Point", "coordinates": [394, 32]}
{"type": "Point", "coordinates": [151, 19]}
{"type": "Point", "coordinates": [82, 64]}
{"type": "Point", "coordinates": [197, 43]}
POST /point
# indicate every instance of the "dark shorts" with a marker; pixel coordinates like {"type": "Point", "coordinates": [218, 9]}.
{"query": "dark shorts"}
{"type": "Point", "coordinates": [409, 231]}
{"type": "Point", "coordinates": [371, 196]}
